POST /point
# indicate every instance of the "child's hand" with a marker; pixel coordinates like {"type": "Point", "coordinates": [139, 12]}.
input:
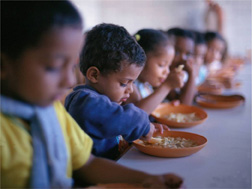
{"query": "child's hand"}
{"type": "Point", "coordinates": [175, 102]}
{"type": "Point", "coordinates": [155, 127]}
{"type": "Point", "coordinates": [175, 79]}
{"type": "Point", "coordinates": [163, 181]}
{"type": "Point", "coordinates": [191, 67]}
{"type": "Point", "coordinates": [160, 127]}
{"type": "Point", "coordinates": [150, 133]}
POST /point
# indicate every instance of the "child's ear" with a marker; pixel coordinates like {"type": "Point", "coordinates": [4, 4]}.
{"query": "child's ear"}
{"type": "Point", "coordinates": [92, 74]}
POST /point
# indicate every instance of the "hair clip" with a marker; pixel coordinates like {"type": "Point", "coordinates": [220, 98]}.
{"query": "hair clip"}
{"type": "Point", "coordinates": [138, 37]}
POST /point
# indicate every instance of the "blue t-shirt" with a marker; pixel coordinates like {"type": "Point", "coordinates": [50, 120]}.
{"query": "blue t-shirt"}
{"type": "Point", "coordinates": [104, 121]}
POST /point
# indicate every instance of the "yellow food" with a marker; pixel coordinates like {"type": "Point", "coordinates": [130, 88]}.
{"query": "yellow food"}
{"type": "Point", "coordinates": [179, 68]}
{"type": "Point", "coordinates": [169, 142]}
{"type": "Point", "coordinates": [182, 118]}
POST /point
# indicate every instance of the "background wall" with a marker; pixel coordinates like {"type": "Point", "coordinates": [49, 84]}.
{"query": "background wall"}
{"type": "Point", "coordinates": [164, 14]}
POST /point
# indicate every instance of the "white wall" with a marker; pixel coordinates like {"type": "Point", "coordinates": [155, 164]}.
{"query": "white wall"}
{"type": "Point", "coordinates": [164, 14]}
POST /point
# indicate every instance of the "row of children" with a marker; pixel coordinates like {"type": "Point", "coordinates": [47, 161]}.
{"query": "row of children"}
{"type": "Point", "coordinates": [121, 91]}
{"type": "Point", "coordinates": [41, 144]}
{"type": "Point", "coordinates": [125, 79]}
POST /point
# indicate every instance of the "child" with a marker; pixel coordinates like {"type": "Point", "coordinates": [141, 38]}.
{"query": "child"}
{"type": "Point", "coordinates": [154, 75]}
{"type": "Point", "coordinates": [202, 83]}
{"type": "Point", "coordinates": [200, 50]}
{"type": "Point", "coordinates": [111, 60]}
{"type": "Point", "coordinates": [184, 55]}
{"type": "Point", "coordinates": [215, 60]}
{"type": "Point", "coordinates": [41, 145]}
{"type": "Point", "coordinates": [216, 51]}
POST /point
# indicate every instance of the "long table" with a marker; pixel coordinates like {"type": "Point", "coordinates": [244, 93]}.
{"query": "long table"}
{"type": "Point", "coordinates": [225, 162]}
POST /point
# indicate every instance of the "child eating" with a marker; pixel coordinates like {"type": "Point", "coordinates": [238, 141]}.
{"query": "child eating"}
{"type": "Point", "coordinates": [41, 145]}
{"type": "Point", "coordinates": [155, 81]}
{"type": "Point", "coordinates": [111, 61]}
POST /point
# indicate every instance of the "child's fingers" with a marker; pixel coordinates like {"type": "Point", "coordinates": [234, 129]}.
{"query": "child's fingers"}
{"type": "Point", "coordinates": [175, 102]}
{"type": "Point", "coordinates": [165, 127]}
{"type": "Point", "coordinates": [161, 128]}
{"type": "Point", "coordinates": [158, 127]}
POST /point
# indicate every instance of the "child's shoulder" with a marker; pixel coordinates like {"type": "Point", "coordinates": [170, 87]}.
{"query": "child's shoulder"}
{"type": "Point", "coordinates": [81, 90]}
{"type": "Point", "coordinates": [84, 94]}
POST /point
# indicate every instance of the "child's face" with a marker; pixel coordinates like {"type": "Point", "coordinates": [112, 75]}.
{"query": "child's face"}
{"type": "Point", "coordinates": [42, 74]}
{"type": "Point", "coordinates": [184, 50]}
{"type": "Point", "coordinates": [215, 51]}
{"type": "Point", "coordinates": [157, 69]}
{"type": "Point", "coordinates": [199, 54]}
{"type": "Point", "coordinates": [118, 85]}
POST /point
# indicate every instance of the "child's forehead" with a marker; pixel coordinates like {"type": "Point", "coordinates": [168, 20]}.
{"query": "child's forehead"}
{"type": "Point", "coordinates": [61, 34]}
{"type": "Point", "coordinates": [181, 39]}
{"type": "Point", "coordinates": [161, 50]}
{"type": "Point", "coordinates": [184, 43]}
{"type": "Point", "coordinates": [216, 42]}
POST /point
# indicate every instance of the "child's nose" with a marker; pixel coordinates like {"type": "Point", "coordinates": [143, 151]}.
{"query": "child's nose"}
{"type": "Point", "coordinates": [69, 79]}
{"type": "Point", "coordinates": [130, 88]}
{"type": "Point", "coordinates": [166, 70]}
{"type": "Point", "coordinates": [217, 55]}
{"type": "Point", "coordinates": [184, 57]}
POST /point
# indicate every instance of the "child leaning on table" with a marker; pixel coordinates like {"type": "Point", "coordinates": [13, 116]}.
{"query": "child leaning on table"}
{"type": "Point", "coordinates": [41, 145]}
{"type": "Point", "coordinates": [111, 60]}
{"type": "Point", "coordinates": [184, 55]}
{"type": "Point", "coordinates": [156, 73]}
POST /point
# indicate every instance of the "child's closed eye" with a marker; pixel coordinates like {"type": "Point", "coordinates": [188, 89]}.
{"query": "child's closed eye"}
{"type": "Point", "coordinates": [52, 69]}
{"type": "Point", "coordinates": [123, 84]}
{"type": "Point", "coordinates": [161, 65]}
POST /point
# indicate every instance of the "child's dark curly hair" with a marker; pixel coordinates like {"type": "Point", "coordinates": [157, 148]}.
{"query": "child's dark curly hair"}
{"type": "Point", "coordinates": [107, 47]}
{"type": "Point", "coordinates": [179, 32]}
{"type": "Point", "coordinates": [150, 39]}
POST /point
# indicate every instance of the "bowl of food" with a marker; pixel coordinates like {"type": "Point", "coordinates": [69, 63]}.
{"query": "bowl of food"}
{"type": "Point", "coordinates": [181, 116]}
{"type": "Point", "coordinates": [117, 186]}
{"type": "Point", "coordinates": [172, 144]}
{"type": "Point", "coordinates": [219, 101]}
{"type": "Point", "coordinates": [211, 87]}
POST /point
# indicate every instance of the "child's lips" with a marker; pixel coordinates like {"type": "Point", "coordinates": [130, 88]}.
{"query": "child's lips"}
{"type": "Point", "coordinates": [124, 99]}
{"type": "Point", "coordinates": [161, 80]}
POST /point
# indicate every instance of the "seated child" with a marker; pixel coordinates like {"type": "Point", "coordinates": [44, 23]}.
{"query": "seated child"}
{"type": "Point", "coordinates": [156, 74]}
{"type": "Point", "coordinates": [111, 60]}
{"type": "Point", "coordinates": [184, 55]}
{"type": "Point", "coordinates": [215, 60]}
{"type": "Point", "coordinates": [216, 51]}
{"type": "Point", "coordinates": [41, 145]}
{"type": "Point", "coordinates": [200, 50]}
{"type": "Point", "coordinates": [203, 85]}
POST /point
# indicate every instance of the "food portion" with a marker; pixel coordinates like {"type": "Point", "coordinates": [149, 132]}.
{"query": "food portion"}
{"type": "Point", "coordinates": [180, 117]}
{"type": "Point", "coordinates": [179, 68]}
{"type": "Point", "coordinates": [169, 142]}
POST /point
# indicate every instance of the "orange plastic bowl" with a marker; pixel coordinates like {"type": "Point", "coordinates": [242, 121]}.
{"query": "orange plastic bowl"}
{"type": "Point", "coordinates": [166, 108]}
{"type": "Point", "coordinates": [219, 101]}
{"type": "Point", "coordinates": [173, 152]}
{"type": "Point", "coordinates": [116, 186]}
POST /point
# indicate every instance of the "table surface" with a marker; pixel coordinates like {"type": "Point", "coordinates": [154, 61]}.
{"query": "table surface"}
{"type": "Point", "coordinates": [225, 162]}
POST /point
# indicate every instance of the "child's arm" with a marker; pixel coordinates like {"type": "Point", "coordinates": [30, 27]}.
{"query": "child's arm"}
{"type": "Point", "coordinates": [148, 104]}
{"type": "Point", "coordinates": [100, 117]}
{"type": "Point", "coordinates": [189, 89]}
{"type": "Point", "coordinates": [101, 171]}
{"type": "Point", "coordinates": [217, 9]}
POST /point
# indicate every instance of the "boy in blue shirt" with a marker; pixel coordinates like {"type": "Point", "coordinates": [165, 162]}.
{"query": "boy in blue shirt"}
{"type": "Point", "coordinates": [111, 61]}
{"type": "Point", "coordinates": [41, 144]}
